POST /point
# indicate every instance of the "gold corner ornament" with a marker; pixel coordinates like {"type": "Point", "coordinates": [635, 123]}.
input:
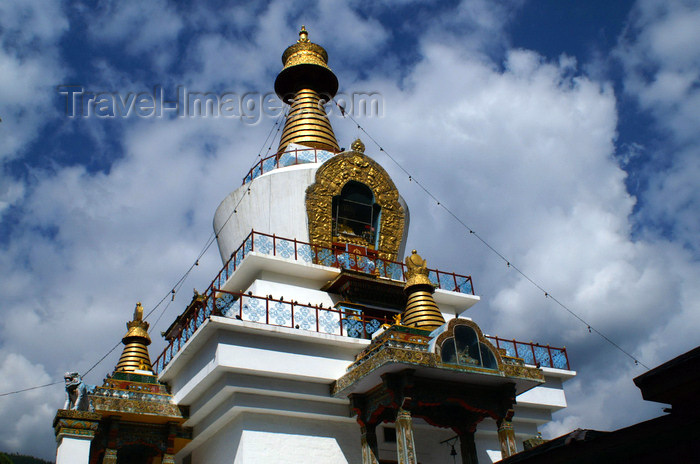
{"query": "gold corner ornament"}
{"type": "Point", "coordinates": [358, 146]}
{"type": "Point", "coordinates": [331, 177]}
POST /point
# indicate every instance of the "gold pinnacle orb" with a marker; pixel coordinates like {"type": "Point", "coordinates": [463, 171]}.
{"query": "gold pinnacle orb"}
{"type": "Point", "coordinates": [358, 146]}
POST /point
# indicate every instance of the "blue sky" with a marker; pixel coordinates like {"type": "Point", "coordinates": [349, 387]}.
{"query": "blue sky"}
{"type": "Point", "coordinates": [564, 132]}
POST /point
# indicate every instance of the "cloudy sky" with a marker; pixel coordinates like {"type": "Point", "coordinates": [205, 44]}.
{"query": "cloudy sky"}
{"type": "Point", "coordinates": [564, 133]}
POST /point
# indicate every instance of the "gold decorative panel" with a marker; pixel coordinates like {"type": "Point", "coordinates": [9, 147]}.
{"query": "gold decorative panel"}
{"type": "Point", "coordinates": [331, 177]}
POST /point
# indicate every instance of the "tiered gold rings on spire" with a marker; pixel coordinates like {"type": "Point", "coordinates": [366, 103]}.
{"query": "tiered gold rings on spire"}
{"type": "Point", "coordinates": [135, 355]}
{"type": "Point", "coordinates": [304, 82]}
{"type": "Point", "coordinates": [421, 310]}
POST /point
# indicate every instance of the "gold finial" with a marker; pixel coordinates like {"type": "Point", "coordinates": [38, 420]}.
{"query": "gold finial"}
{"type": "Point", "coordinates": [306, 83]}
{"type": "Point", "coordinates": [416, 270]}
{"type": "Point", "coordinates": [421, 310]}
{"type": "Point", "coordinates": [306, 52]}
{"type": "Point", "coordinates": [303, 35]}
{"type": "Point", "coordinates": [135, 354]}
{"type": "Point", "coordinates": [358, 146]}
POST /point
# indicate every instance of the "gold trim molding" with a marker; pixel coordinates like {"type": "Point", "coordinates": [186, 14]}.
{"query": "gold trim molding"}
{"type": "Point", "coordinates": [331, 177]}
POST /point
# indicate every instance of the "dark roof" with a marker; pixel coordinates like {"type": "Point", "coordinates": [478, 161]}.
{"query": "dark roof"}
{"type": "Point", "coordinates": [673, 382]}
{"type": "Point", "coordinates": [669, 438]}
{"type": "Point", "coordinates": [674, 437]}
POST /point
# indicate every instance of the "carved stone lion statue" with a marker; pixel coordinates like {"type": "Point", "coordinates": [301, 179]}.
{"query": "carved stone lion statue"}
{"type": "Point", "coordinates": [76, 393]}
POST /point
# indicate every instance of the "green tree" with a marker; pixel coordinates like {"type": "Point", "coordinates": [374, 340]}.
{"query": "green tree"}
{"type": "Point", "coordinates": [5, 459]}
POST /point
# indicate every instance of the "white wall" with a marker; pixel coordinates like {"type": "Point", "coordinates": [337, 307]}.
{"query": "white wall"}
{"type": "Point", "coordinates": [303, 292]}
{"type": "Point", "coordinates": [276, 204]}
{"type": "Point", "coordinates": [73, 450]}
{"type": "Point", "coordinates": [262, 438]}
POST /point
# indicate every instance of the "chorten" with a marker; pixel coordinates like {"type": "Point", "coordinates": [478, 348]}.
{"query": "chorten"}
{"type": "Point", "coordinates": [319, 340]}
{"type": "Point", "coordinates": [133, 418]}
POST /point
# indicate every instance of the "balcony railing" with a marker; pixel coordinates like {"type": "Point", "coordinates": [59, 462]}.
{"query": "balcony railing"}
{"type": "Point", "coordinates": [287, 158]}
{"type": "Point", "coordinates": [341, 321]}
{"type": "Point", "coordinates": [315, 254]}
{"type": "Point", "coordinates": [246, 307]}
{"type": "Point", "coordinates": [534, 353]}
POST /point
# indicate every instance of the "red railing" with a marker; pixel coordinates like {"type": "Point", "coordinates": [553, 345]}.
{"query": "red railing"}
{"type": "Point", "coordinates": [287, 158]}
{"type": "Point", "coordinates": [337, 321]}
{"type": "Point", "coordinates": [534, 353]}
{"type": "Point", "coordinates": [270, 311]}
{"type": "Point", "coordinates": [314, 254]}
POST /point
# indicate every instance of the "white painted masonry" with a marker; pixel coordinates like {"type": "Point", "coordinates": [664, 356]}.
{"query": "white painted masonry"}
{"type": "Point", "coordinates": [73, 450]}
{"type": "Point", "coordinates": [260, 393]}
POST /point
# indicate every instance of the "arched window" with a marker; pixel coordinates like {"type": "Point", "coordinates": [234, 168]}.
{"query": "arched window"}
{"type": "Point", "coordinates": [466, 349]}
{"type": "Point", "coordinates": [355, 215]}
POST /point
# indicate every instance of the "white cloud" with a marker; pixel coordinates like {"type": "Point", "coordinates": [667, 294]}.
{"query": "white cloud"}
{"type": "Point", "coordinates": [29, 413]}
{"type": "Point", "coordinates": [29, 34]}
{"type": "Point", "coordinates": [661, 60]}
{"type": "Point", "coordinates": [150, 28]}
{"type": "Point", "coordinates": [10, 192]}
{"type": "Point", "coordinates": [531, 149]}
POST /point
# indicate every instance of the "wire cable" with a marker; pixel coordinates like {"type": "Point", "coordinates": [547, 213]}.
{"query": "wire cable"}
{"type": "Point", "coordinates": [214, 235]}
{"type": "Point", "coordinates": [508, 263]}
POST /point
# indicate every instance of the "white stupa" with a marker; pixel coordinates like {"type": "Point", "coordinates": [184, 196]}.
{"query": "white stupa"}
{"type": "Point", "coordinates": [316, 343]}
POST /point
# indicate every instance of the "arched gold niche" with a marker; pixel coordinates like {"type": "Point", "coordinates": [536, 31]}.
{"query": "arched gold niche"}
{"type": "Point", "coordinates": [481, 339]}
{"type": "Point", "coordinates": [332, 176]}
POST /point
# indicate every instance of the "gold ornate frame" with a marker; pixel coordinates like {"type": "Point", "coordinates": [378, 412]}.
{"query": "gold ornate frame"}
{"type": "Point", "coordinates": [331, 177]}
{"type": "Point", "coordinates": [449, 332]}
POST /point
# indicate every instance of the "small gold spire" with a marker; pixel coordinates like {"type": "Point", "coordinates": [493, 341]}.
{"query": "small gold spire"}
{"type": "Point", "coordinates": [421, 310]}
{"type": "Point", "coordinates": [306, 82]}
{"type": "Point", "coordinates": [358, 146]}
{"type": "Point", "coordinates": [135, 355]}
{"type": "Point", "coordinates": [416, 270]}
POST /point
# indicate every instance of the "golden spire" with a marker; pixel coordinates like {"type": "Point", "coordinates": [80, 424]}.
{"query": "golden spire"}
{"type": "Point", "coordinates": [421, 310]}
{"type": "Point", "coordinates": [306, 80]}
{"type": "Point", "coordinates": [135, 355]}
{"type": "Point", "coordinates": [303, 35]}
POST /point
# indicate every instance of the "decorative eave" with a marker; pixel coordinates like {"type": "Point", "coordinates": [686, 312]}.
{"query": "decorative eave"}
{"type": "Point", "coordinates": [76, 424]}
{"type": "Point", "coordinates": [399, 348]}
{"type": "Point", "coordinates": [137, 397]}
{"type": "Point", "coordinates": [360, 287]}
